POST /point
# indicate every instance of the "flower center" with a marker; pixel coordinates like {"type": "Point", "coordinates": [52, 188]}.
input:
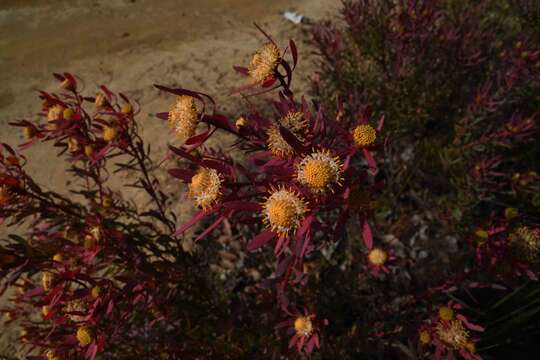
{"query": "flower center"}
{"type": "Point", "coordinates": [282, 213]}
{"type": "Point", "coordinates": [364, 135]}
{"type": "Point", "coordinates": [377, 257]}
{"type": "Point", "coordinates": [453, 334]}
{"type": "Point", "coordinates": [84, 335]}
{"type": "Point", "coordinates": [205, 187]}
{"type": "Point", "coordinates": [303, 326]}
{"type": "Point", "coordinates": [183, 117]}
{"type": "Point", "coordinates": [446, 313]}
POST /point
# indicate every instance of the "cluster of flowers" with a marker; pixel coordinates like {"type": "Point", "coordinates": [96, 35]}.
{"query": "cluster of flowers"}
{"type": "Point", "coordinates": [306, 175]}
{"type": "Point", "coordinates": [448, 331]}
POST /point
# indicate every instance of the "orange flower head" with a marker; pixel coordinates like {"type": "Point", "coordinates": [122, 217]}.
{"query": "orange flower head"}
{"type": "Point", "coordinates": [264, 63]}
{"type": "Point", "coordinates": [364, 135]}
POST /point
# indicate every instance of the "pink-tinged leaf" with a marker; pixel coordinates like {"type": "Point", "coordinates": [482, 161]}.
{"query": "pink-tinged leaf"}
{"type": "Point", "coordinates": [198, 139]}
{"type": "Point", "coordinates": [163, 115]}
{"type": "Point", "coordinates": [340, 225]}
{"type": "Point", "coordinates": [107, 92]}
{"type": "Point", "coordinates": [294, 53]}
{"type": "Point", "coordinates": [261, 240]}
{"type": "Point", "coordinates": [281, 244]}
{"type": "Point", "coordinates": [310, 345]}
{"type": "Point", "coordinates": [242, 70]}
{"type": "Point", "coordinates": [242, 205]}
{"type": "Point", "coordinates": [110, 307]}
{"type": "Point", "coordinates": [220, 167]}
{"type": "Point", "coordinates": [291, 139]}
{"type": "Point", "coordinates": [219, 121]}
{"type": "Point", "coordinates": [381, 124]}
{"type": "Point", "coordinates": [283, 265]}
{"type": "Point", "coordinates": [195, 219]}
{"type": "Point", "coordinates": [305, 226]}
{"type": "Point", "coordinates": [211, 228]}
{"type": "Point", "coordinates": [91, 351]}
{"type": "Point", "coordinates": [293, 341]}
{"type": "Point", "coordinates": [184, 154]}
{"type": "Point", "coordinates": [468, 324]}
{"type": "Point", "coordinates": [317, 341]}
{"type": "Point", "coordinates": [307, 241]}
{"type": "Point", "coordinates": [183, 174]}
{"type": "Point", "coordinates": [369, 158]}
{"type": "Point", "coordinates": [367, 234]}
{"type": "Point", "coordinates": [180, 91]}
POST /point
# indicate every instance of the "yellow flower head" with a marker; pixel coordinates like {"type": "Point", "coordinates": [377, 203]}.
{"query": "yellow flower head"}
{"type": "Point", "coordinates": [100, 101]}
{"type": "Point", "coordinates": [28, 132]}
{"type": "Point", "coordinates": [295, 123]}
{"type": "Point", "coordinates": [47, 280]}
{"type": "Point", "coordinates": [264, 62]}
{"type": "Point", "coordinates": [45, 310]}
{"type": "Point", "coordinates": [482, 236]}
{"type": "Point", "coordinates": [446, 313]}
{"type": "Point", "coordinates": [88, 150]}
{"type": "Point", "coordinates": [425, 337]}
{"type": "Point", "coordinates": [241, 122]}
{"type": "Point", "coordinates": [54, 112]}
{"type": "Point", "coordinates": [511, 213]}
{"type": "Point", "coordinates": [303, 326]}
{"type": "Point", "coordinates": [183, 117]}
{"type": "Point", "coordinates": [453, 334]}
{"type": "Point", "coordinates": [364, 135]}
{"type": "Point", "coordinates": [205, 187]}
{"type": "Point", "coordinates": [284, 210]}
{"type": "Point", "coordinates": [95, 292]}
{"type": "Point", "coordinates": [109, 133]}
{"type": "Point", "coordinates": [68, 113]}
{"type": "Point", "coordinates": [127, 108]}
{"type": "Point", "coordinates": [73, 145]}
{"type": "Point", "coordinates": [84, 335]}
{"type": "Point", "coordinates": [57, 257]}
{"type": "Point", "coordinates": [526, 242]}
{"type": "Point", "coordinates": [377, 256]}
{"type": "Point", "coordinates": [51, 355]}
{"type": "Point", "coordinates": [319, 171]}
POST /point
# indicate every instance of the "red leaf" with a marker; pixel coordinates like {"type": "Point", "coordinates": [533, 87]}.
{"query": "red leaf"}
{"type": "Point", "coordinates": [242, 70]}
{"type": "Point", "coordinates": [367, 234]}
{"type": "Point", "coordinates": [163, 115]}
{"type": "Point", "coordinates": [198, 139]}
{"type": "Point", "coordinates": [260, 240]}
{"type": "Point", "coordinates": [242, 205]}
{"type": "Point", "coordinates": [196, 218]}
{"type": "Point", "coordinates": [369, 158]}
{"type": "Point", "coordinates": [291, 139]}
{"type": "Point", "coordinates": [183, 174]}
{"type": "Point", "coordinates": [218, 121]}
{"type": "Point", "coordinates": [294, 53]}
{"type": "Point", "coordinates": [211, 228]}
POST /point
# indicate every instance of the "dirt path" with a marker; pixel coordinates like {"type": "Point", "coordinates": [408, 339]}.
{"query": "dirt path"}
{"type": "Point", "coordinates": [130, 45]}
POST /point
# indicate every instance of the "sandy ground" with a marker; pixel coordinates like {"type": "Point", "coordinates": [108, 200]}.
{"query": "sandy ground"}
{"type": "Point", "coordinates": [130, 45]}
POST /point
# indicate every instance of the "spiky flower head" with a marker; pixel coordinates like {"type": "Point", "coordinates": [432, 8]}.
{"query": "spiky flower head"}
{"type": "Point", "coordinates": [95, 292]}
{"type": "Point", "coordinates": [526, 242]}
{"type": "Point", "coordinates": [377, 257]}
{"type": "Point", "coordinates": [294, 122]}
{"type": "Point", "coordinates": [58, 257]}
{"type": "Point", "coordinates": [284, 210]}
{"type": "Point", "coordinates": [424, 336]}
{"type": "Point", "coordinates": [205, 187]}
{"type": "Point", "coordinates": [319, 171]}
{"type": "Point", "coordinates": [303, 326]}
{"type": "Point", "coordinates": [183, 117]}
{"type": "Point", "coordinates": [453, 334]}
{"type": "Point", "coordinates": [84, 335]}
{"type": "Point", "coordinates": [68, 113]}
{"type": "Point", "coordinates": [28, 132]}
{"type": "Point", "coordinates": [127, 108]}
{"type": "Point", "coordinates": [264, 62]}
{"type": "Point", "coordinates": [88, 150]}
{"type": "Point", "coordinates": [511, 213]}
{"type": "Point", "coordinates": [47, 280]}
{"type": "Point", "coordinates": [45, 310]}
{"type": "Point", "coordinates": [54, 112]}
{"type": "Point", "coordinates": [100, 100]}
{"type": "Point", "coordinates": [364, 135]}
{"type": "Point", "coordinates": [241, 122]}
{"type": "Point", "coordinates": [446, 313]}
{"type": "Point", "coordinates": [52, 355]}
{"type": "Point", "coordinates": [109, 133]}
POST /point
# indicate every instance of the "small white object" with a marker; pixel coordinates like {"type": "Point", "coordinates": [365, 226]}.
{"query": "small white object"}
{"type": "Point", "coordinates": [293, 17]}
